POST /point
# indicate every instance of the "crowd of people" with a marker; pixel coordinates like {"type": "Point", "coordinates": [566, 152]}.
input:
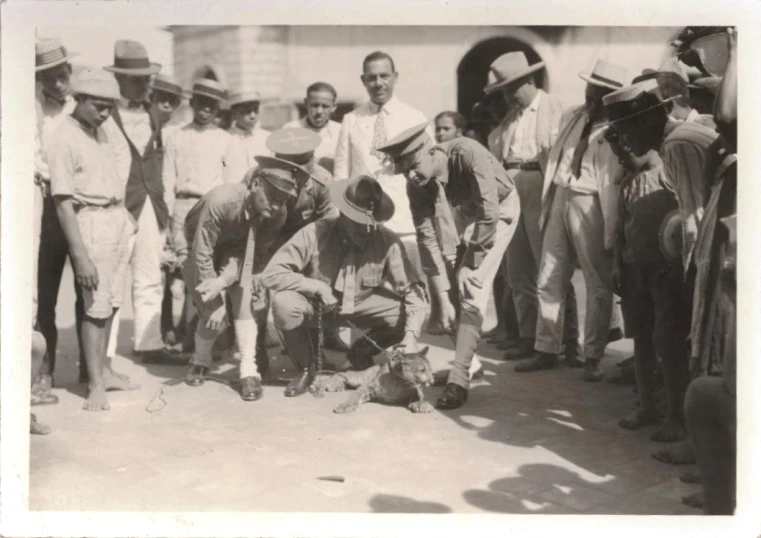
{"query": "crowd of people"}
{"type": "Point", "coordinates": [387, 220]}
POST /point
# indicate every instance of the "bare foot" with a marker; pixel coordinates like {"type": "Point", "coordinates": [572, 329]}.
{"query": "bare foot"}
{"type": "Point", "coordinates": [694, 500]}
{"type": "Point", "coordinates": [670, 432]}
{"type": "Point", "coordinates": [345, 408]}
{"type": "Point", "coordinates": [115, 382]}
{"type": "Point", "coordinates": [638, 418]}
{"type": "Point", "coordinates": [96, 400]}
{"type": "Point", "coordinates": [676, 454]}
{"type": "Point", "coordinates": [38, 428]}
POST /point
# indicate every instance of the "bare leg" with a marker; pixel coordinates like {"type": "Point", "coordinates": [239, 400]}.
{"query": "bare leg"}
{"type": "Point", "coordinates": [673, 353]}
{"type": "Point", "coordinates": [94, 336]}
{"type": "Point", "coordinates": [114, 380]}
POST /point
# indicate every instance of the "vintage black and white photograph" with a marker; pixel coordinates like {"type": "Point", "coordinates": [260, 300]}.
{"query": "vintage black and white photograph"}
{"type": "Point", "coordinates": [383, 269]}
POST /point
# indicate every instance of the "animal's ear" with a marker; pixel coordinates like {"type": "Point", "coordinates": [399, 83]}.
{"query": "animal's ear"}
{"type": "Point", "coordinates": [423, 352]}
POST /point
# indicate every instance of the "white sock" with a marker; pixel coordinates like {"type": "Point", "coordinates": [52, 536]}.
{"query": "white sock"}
{"type": "Point", "coordinates": [245, 335]}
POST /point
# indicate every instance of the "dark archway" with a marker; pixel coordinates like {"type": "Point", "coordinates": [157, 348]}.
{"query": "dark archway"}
{"type": "Point", "coordinates": [474, 68]}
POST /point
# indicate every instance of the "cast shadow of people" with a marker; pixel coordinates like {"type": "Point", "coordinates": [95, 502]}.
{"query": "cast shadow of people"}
{"type": "Point", "coordinates": [398, 504]}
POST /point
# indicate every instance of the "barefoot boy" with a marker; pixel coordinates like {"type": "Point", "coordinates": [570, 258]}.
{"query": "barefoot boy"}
{"type": "Point", "coordinates": [89, 203]}
{"type": "Point", "coordinates": [649, 281]}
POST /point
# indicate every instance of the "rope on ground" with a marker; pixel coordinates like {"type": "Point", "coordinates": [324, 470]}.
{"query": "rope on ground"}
{"type": "Point", "coordinates": [158, 396]}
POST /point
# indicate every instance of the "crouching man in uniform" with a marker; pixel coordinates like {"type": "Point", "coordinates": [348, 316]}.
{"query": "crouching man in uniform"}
{"type": "Point", "coordinates": [225, 257]}
{"type": "Point", "coordinates": [357, 269]}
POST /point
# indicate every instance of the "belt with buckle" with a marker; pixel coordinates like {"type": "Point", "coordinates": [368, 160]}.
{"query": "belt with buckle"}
{"type": "Point", "coordinates": [532, 166]}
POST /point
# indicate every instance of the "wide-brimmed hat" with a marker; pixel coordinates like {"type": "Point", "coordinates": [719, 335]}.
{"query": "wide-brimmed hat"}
{"type": "Point", "coordinates": [405, 144]}
{"type": "Point", "coordinates": [606, 75]}
{"type": "Point", "coordinates": [95, 82]}
{"type": "Point", "coordinates": [50, 52]}
{"type": "Point", "coordinates": [244, 96]}
{"type": "Point", "coordinates": [633, 100]}
{"type": "Point", "coordinates": [209, 88]}
{"type": "Point", "coordinates": [167, 84]}
{"type": "Point", "coordinates": [509, 68]}
{"type": "Point", "coordinates": [131, 58]}
{"type": "Point", "coordinates": [362, 200]}
{"type": "Point", "coordinates": [279, 173]}
{"type": "Point", "coordinates": [293, 142]}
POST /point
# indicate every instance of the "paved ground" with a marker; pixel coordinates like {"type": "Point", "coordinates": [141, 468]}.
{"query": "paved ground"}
{"type": "Point", "coordinates": [530, 443]}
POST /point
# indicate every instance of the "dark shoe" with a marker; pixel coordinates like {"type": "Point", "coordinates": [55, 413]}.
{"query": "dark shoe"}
{"type": "Point", "coordinates": [196, 375]}
{"type": "Point", "coordinates": [592, 371]}
{"type": "Point", "coordinates": [164, 356]}
{"type": "Point", "coordinates": [452, 397]}
{"type": "Point", "coordinates": [525, 348]}
{"type": "Point", "coordinates": [331, 341]}
{"type": "Point", "coordinates": [540, 361]}
{"type": "Point", "coordinates": [251, 389]}
{"type": "Point", "coordinates": [299, 384]}
{"type": "Point", "coordinates": [572, 354]}
{"type": "Point", "coordinates": [614, 335]}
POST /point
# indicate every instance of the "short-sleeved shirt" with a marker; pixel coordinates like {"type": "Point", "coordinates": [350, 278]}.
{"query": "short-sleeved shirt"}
{"type": "Point", "coordinates": [83, 166]}
{"type": "Point", "coordinates": [645, 200]}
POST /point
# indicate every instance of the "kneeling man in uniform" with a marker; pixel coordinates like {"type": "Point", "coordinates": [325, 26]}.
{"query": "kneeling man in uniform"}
{"type": "Point", "coordinates": [357, 270]}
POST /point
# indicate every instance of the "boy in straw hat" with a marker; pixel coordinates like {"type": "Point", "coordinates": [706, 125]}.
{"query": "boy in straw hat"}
{"type": "Point", "coordinates": [54, 105]}
{"type": "Point", "coordinates": [648, 278]}
{"type": "Point", "coordinates": [198, 157]}
{"type": "Point", "coordinates": [450, 174]}
{"type": "Point", "coordinates": [89, 198]}
{"type": "Point", "coordinates": [249, 138]}
{"type": "Point", "coordinates": [320, 104]}
{"type": "Point", "coordinates": [522, 142]}
{"type": "Point", "coordinates": [579, 201]}
{"type": "Point", "coordinates": [166, 97]}
{"type": "Point", "coordinates": [357, 269]}
{"type": "Point", "coordinates": [227, 251]}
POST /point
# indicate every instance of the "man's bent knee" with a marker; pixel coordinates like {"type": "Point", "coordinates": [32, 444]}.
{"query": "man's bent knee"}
{"type": "Point", "coordinates": [288, 310]}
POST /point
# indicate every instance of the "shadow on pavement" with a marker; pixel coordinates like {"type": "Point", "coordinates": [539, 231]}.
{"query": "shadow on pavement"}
{"type": "Point", "coordinates": [397, 504]}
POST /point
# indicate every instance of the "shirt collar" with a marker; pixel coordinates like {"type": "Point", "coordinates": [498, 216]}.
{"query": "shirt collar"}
{"type": "Point", "coordinates": [388, 108]}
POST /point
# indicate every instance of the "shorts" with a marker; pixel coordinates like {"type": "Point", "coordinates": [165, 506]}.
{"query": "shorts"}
{"type": "Point", "coordinates": [105, 234]}
{"type": "Point", "coordinates": [652, 297]}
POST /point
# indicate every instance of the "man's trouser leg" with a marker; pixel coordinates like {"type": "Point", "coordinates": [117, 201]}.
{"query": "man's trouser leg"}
{"type": "Point", "coordinates": [586, 226]}
{"type": "Point", "coordinates": [146, 281]}
{"type": "Point", "coordinates": [475, 300]}
{"type": "Point", "coordinates": [525, 251]}
{"type": "Point", "coordinates": [294, 317]}
{"type": "Point", "coordinates": [113, 337]}
{"type": "Point", "coordinates": [554, 279]}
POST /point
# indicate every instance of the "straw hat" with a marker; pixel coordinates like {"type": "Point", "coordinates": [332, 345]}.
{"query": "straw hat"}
{"type": "Point", "coordinates": [209, 88]}
{"type": "Point", "coordinates": [606, 75]}
{"type": "Point", "coordinates": [50, 53]}
{"type": "Point", "coordinates": [508, 68]}
{"type": "Point", "coordinates": [131, 58]}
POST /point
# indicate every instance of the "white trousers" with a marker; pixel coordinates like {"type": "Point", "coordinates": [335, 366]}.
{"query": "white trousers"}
{"type": "Point", "coordinates": [147, 288]}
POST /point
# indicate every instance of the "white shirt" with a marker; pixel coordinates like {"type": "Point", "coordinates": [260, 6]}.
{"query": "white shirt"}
{"type": "Point", "coordinates": [137, 124]}
{"type": "Point", "coordinates": [197, 159]}
{"type": "Point", "coordinates": [354, 153]}
{"type": "Point", "coordinates": [325, 153]}
{"type": "Point", "coordinates": [248, 146]}
{"type": "Point", "coordinates": [523, 147]}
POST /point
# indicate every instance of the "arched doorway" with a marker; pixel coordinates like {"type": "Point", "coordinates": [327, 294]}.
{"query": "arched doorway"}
{"type": "Point", "coordinates": [473, 70]}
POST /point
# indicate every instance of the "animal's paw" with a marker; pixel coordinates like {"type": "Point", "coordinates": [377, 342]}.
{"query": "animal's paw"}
{"type": "Point", "coordinates": [345, 408]}
{"type": "Point", "coordinates": [421, 407]}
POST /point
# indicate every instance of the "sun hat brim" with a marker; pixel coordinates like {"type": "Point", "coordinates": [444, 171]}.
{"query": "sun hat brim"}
{"type": "Point", "coordinates": [587, 77]}
{"type": "Point", "coordinates": [502, 83]}
{"type": "Point", "coordinates": [137, 71]}
{"type": "Point", "coordinates": [337, 192]}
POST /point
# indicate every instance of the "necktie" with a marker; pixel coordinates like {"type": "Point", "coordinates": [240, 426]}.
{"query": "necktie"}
{"type": "Point", "coordinates": [581, 148]}
{"type": "Point", "coordinates": [347, 301]}
{"type": "Point", "coordinates": [379, 132]}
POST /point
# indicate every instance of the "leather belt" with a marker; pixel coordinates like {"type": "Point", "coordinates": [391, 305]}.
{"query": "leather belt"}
{"type": "Point", "coordinates": [532, 166]}
{"type": "Point", "coordinates": [113, 203]}
{"type": "Point", "coordinates": [187, 196]}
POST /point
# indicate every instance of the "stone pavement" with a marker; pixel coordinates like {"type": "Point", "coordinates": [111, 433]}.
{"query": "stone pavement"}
{"type": "Point", "coordinates": [543, 443]}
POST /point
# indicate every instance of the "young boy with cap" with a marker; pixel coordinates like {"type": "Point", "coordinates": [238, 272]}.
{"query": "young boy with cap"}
{"type": "Point", "coordinates": [198, 157]}
{"type": "Point", "coordinates": [166, 96]}
{"type": "Point", "coordinates": [227, 252]}
{"type": "Point", "coordinates": [248, 137]}
{"type": "Point", "coordinates": [486, 209]}
{"type": "Point", "coordinates": [320, 104]}
{"type": "Point", "coordinates": [89, 198]}
{"type": "Point", "coordinates": [647, 276]}
{"type": "Point", "coordinates": [357, 269]}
